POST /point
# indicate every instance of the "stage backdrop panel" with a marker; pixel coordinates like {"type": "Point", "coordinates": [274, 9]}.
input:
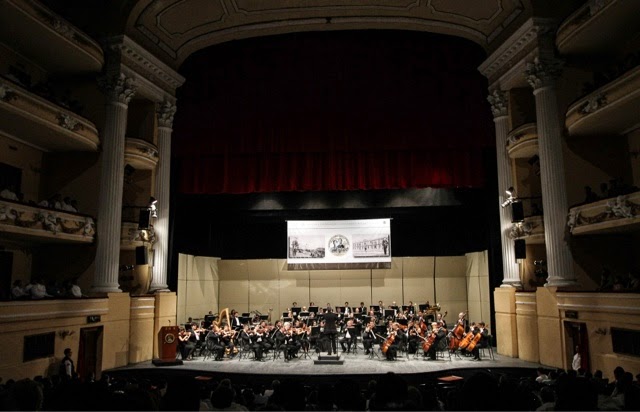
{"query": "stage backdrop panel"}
{"type": "Point", "coordinates": [339, 244]}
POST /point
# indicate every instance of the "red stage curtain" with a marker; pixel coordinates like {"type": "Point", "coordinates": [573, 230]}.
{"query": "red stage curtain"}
{"type": "Point", "coordinates": [332, 111]}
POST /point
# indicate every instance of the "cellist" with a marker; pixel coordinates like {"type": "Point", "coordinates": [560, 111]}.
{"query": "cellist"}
{"type": "Point", "coordinates": [439, 336]}
{"type": "Point", "coordinates": [480, 341]}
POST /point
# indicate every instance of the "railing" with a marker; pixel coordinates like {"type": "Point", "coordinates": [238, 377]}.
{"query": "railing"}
{"type": "Point", "coordinates": [608, 215]}
{"type": "Point", "coordinates": [38, 222]}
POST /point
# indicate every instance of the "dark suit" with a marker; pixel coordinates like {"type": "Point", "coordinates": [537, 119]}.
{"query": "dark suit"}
{"type": "Point", "coordinates": [331, 330]}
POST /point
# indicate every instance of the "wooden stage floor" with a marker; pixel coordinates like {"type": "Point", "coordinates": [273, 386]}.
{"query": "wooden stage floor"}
{"type": "Point", "coordinates": [355, 365]}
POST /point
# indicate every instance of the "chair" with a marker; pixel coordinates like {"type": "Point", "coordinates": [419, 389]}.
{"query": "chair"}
{"type": "Point", "coordinates": [487, 349]}
{"type": "Point", "coordinates": [246, 351]}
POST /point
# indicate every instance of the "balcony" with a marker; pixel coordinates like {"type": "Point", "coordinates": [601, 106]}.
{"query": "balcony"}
{"type": "Point", "coordinates": [47, 39]}
{"type": "Point", "coordinates": [610, 110]}
{"type": "Point", "coordinates": [29, 223]}
{"type": "Point", "coordinates": [140, 154]}
{"type": "Point", "coordinates": [532, 230]}
{"type": "Point", "coordinates": [614, 215]}
{"type": "Point", "coordinates": [522, 142]}
{"type": "Point", "coordinates": [132, 237]}
{"type": "Point", "coordinates": [598, 26]}
{"type": "Point", "coordinates": [43, 124]}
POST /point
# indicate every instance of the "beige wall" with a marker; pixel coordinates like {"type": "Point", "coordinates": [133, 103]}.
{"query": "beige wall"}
{"type": "Point", "coordinates": [130, 328]}
{"type": "Point", "coordinates": [198, 286]}
{"type": "Point", "coordinates": [504, 300]}
{"type": "Point", "coordinates": [261, 284]}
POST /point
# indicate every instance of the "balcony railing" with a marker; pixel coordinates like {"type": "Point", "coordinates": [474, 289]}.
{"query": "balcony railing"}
{"type": "Point", "coordinates": [30, 222]}
{"type": "Point", "coordinates": [132, 237]}
{"type": "Point", "coordinates": [532, 229]}
{"type": "Point", "coordinates": [614, 215]}
{"type": "Point", "coordinates": [42, 123]}
{"type": "Point", "coordinates": [522, 142]}
{"type": "Point", "coordinates": [140, 154]}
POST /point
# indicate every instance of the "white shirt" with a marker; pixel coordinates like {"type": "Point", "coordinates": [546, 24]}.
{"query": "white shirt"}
{"type": "Point", "coordinates": [76, 292]}
{"type": "Point", "coordinates": [9, 195]}
{"type": "Point", "coordinates": [39, 291]}
{"type": "Point", "coordinates": [577, 362]}
{"type": "Point", "coordinates": [18, 292]}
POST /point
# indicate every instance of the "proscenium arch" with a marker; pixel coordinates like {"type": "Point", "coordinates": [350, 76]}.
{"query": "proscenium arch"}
{"type": "Point", "coordinates": [175, 29]}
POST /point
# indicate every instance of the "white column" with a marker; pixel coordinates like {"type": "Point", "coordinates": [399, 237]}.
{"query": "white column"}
{"type": "Point", "coordinates": [541, 75]}
{"type": "Point", "coordinates": [165, 113]}
{"type": "Point", "coordinates": [119, 90]}
{"type": "Point", "coordinates": [500, 110]}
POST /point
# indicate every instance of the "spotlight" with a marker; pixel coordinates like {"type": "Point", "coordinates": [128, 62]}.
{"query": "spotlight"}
{"type": "Point", "coordinates": [510, 192]}
{"type": "Point", "coordinates": [152, 206]}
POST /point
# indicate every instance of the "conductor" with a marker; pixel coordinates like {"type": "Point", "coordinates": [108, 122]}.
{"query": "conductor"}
{"type": "Point", "coordinates": [330, 329]}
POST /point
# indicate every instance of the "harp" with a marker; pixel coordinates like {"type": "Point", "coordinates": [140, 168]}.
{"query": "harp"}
{"type": "Point", "coordinates": [224, 318]}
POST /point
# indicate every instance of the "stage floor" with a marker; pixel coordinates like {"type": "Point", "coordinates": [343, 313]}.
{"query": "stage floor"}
{"type": "Point", "coordinates": [354, 364]}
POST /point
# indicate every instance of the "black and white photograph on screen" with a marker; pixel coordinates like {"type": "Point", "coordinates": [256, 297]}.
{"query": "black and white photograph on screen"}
{"type": "Point", "coordinates": [371, 245]}
{"type": "Point", "coordinates": [301, 247]}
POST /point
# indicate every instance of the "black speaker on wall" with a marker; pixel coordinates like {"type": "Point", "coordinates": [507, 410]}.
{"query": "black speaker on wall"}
{"type": "Point", "coordinates": [517, 212]}
{"type": "Point", "coordinates": [142, 255]}
{"type": "Point", "coordinates": [520, 249]}
{"type": "Point", "coordinates": [143, 219]}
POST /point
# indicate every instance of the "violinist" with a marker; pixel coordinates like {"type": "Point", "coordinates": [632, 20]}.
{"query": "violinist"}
{"type": "Point", "coordinates": [227, 339]}
{"type": "Point", "coordinates": [291, 345]}
{"type": "Point", "coordinates": [246, 337]}
{"type": "Point", "coordinates": [368, 337]}
{"type": "Point", "coordinates": [215, 343]}
{"type": "Point", "coordinates": [185, 343]}
{"type": "Point", "coordinates": [439, 337]}
{"type": "Point", "coordinates": [260, 345]}
{"type": "Point", "coordinates": [440, 318]}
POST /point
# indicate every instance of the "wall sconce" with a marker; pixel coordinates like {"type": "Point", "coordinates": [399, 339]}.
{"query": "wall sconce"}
{"type": "Point", "coordinates": [64, 333]}
{"type": "Point", "coordinates": [601, 331]}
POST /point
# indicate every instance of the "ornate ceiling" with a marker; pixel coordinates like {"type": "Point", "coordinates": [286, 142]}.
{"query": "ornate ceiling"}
{"type": "Point", "coordinates": [174, 29]}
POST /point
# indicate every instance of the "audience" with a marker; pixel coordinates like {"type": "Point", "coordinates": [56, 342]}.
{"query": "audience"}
{"type": "Point", "coordinates": [483, 390]}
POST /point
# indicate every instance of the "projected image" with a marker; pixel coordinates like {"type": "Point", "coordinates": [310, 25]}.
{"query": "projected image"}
{"type": "Point", "coordinates": [301, 247]}
{"type": "Point", "coordinates": [368, 245]}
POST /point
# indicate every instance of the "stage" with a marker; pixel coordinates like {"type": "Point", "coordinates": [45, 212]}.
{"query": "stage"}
{"type": "Point", "coordinates": [357, 366]}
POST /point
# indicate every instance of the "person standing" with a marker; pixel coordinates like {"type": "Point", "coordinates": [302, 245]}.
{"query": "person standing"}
{"type": "Point", "coordinates": [577, 360]}
{"type": "Point", "coordinates": [331, 330]}
{"type": "Point", "coordinates": [67, 369]}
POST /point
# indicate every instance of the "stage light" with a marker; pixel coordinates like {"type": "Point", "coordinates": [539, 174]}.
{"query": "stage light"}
{"type": "Point", "coordinates": [511, 192]}
{"type": "Point", "coordinates": [152, 207]}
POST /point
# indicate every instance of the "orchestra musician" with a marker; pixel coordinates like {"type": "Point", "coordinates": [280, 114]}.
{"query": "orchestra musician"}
{"type": "Point", "coordinates": [213, 337]}
{"type": "Point", "coordinates": [439, 334]}
{"type": "Point", "coordinates": [185, 342]}
{"type": "Point", "coordinates": [227, 339]}
{"type": "Point", "coordinates": [349, 337]}
{"type": "Point", "coordinates": [394, 337]}
{"type": "Point", "coordinates": [369, 337]}
{"type": "Point", "coordinates": [440, 318]}
{"type": "Point", "coordinates": [260, 345]}
{"type": "Point", "coordinates": [363, 308]}
{"type": "Point", "coordinates": [482, 343]}
{"type": "Point", "coordinates": [235, 320]}
{"type": "Point", "coordinates": [347, 309]}
{"type": "Point", "coordinates": [291, 346]}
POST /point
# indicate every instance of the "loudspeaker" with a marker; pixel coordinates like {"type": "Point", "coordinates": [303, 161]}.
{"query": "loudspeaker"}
{"type": "Point", "coordinates": [142, 255]}
{"type": "Point", "coordinates": [520, 249]}
{"type": "Point", "coordinates": [143, 219]}
{"type": "Point", "coordinates": [517, 212]}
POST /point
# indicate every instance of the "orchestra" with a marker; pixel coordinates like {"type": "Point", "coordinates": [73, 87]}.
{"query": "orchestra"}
{"type": "Point", "coordinates": [407, 328]}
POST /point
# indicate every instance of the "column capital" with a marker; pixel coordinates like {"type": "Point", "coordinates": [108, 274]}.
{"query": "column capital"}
{"type": "Point", "coordinates": [165, 111]}
{"type": "Point", "coordinates": [543, 73]}
{"type": "Point", "coordinates": [499, 104]}
{"type": "Point", "coordinates": [118, 88]}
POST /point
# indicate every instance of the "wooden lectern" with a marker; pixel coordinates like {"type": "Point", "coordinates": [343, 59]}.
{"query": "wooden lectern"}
{"type": "Point", "coordinates": [167, 345]}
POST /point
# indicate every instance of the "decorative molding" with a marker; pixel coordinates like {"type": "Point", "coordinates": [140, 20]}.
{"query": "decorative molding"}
{"type": "Point", "coordinates": [593, 104]}
{"type": "Point", "coordinates": [499, 103]}
{"type": "Point", "coordinates": [118, 87]}
{"type": "Point", "coordinates": [617, 208]}
{"type": "Point", "coordinates": [6, 93]}
{"type": "Point", "coordinates": [69, 122]}
{"type": "Point", "coordinates": [525, 38]}
{"type": "Point", "coordinates": [166, 110]}
{"type": "Point", "coordinates": [145, 64]}
{"type": "Point", "coordinates": [543, 73]}
{"type": "Point", "coordinates": [519, 230]}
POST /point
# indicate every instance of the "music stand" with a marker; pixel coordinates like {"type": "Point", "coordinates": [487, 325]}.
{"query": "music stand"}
{"type": "Point", "coordinates": [374, 308]}
{"type": "Point", "coordinates": [264, 317]}
{"type": "Point", "coordinates": [423, 307]}
{"type": "Point", "coordinates": [389, 313]}
{"type": "Point", "coordinates": [244, 320]}
{"type": "Point", "coordinates": [339, 309]}
{"type": "Point", "coordinates": [404, 322]}
{"type": "Point", "coordinates": [287, 319]}
{"type": "Point", "coordinates": [285, 314]}
{"type": "Point", "coordinates": [405, 308]}
{"type": "Point", "coordinates": [313, 309]}
{"type": "Point", "coordinates": [245, 315]}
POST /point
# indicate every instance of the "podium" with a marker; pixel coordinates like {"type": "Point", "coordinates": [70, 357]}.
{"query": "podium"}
{"type": "Point", "coordinates": [167, 345]}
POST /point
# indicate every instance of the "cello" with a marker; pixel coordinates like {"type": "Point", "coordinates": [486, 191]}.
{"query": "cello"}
{"type": "Point", "coordinates": [474, 341]}
{"type": "Point", "coordinates": [387, 343]}
{"type": "Point", "coordinates": [457, 333]}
